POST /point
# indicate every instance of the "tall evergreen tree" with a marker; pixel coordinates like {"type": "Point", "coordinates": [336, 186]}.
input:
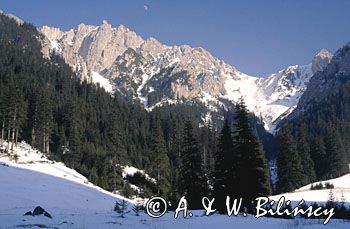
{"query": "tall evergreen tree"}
{"type": "Point", "coordinates": [252, 169]}
{"type": "Point", "coordinates": [318, 154]}
{"type": "Point", "coordinates": [74, 122]}
{"type": "Point", "coordinates": [73, 156]}
{"type": "Point", "coordinates": [289, 168]}
{"type": "Point", "coordinates": [4, 111]}
{"type": "Point", "coordinates": [192, 177]}
{"type": "Point", "coordinates": [305, 157]}
{"type": "Point", "coordinates": [113, 174]}
{"type": "Point", "coordinates": [208, 147]}
{"type": "Point", "coordinates": [337, 160]}
{"type": "Point", "coordinates": [115, 143]}
{"type": "Point", "coordinates": [16, 110]}
{"type": "Point", "coordinates": [175, 158]}
{"type": "Point", "coordinates": [224, 174]}
{"type": "Point", "coordinates": [160, 165]}
{"type": "Point", "coordinates": [41, 118]}
{"type": "Point", "coordinates": [116, 154]}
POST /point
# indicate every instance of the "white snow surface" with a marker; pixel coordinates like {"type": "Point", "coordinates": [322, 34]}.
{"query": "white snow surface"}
{"type": "Point", "coordinates": [44, 180]}
{"type": "Point", "coordinates": [269, 97]}
{"type": "Point", "coordinates": [130, 170]}
{"type": "Point", "coordinates": [103, 81]}
{"type": "Point", "coordinates": [341, 190]}
{"type": "Point", "coordinates": [33, 180]}
{"type": "Point", "coordinates": [144, 100]}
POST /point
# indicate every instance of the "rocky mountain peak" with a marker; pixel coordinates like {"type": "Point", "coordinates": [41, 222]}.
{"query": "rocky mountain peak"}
{"type": "Point", "coordinates": [321, 60]}
{"type": "Point", "coordinates": [156, 74]}
{"type": "Point", "coordinates": [52, 33]}
{"type": "Point", "coordinates": [85, 28]}
{"type": "Point", "coordinates": [328, 81]}
{"type": "Point", "coordinates": [105, 26]}
{"type": "Point", "coordinates": [90, 48]}
{"type": "Point", "coordinates": [122, 28]}
{"type": "Point", "coordinates": [153, 47]}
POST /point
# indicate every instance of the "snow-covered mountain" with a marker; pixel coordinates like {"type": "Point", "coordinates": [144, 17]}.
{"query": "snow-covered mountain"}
{"type": "Point", "coordinates": [156, 74]}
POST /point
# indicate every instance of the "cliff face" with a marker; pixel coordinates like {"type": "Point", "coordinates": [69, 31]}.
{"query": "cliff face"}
{"type": "Point", "coordinates": [156, 74]}
{"type": "Point", "coordinates": [326, 82]}
{"type": "Point", "coordinates": [90, 48]}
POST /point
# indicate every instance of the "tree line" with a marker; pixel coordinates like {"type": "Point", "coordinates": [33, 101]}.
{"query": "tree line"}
{"type": "Point", "coordinates": [315, 145]}
{"type": "Point", "coordinates": [45, 104]}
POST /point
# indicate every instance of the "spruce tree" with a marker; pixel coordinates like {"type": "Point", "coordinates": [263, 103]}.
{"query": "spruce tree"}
{"type": "Point", "coordinates": [289, 167]}
{"type": "Point", "coordinates": [160, 165]}
{"type": "Point", "coordinates": [4, 111]}
{"type": "Point", "coordinates": [73, 156]}
{"type": "Point", "coordinates": [318, 154]}
{"type": "Point", "coordinates": [252, 170]}
{"type": "Point", "coordinates": [113, 174]}
{"type": "Point", "coordinates": [192, 177]}
{"type": "Point", "coordinates": [208, 146]}
{"type": "Point", "coordinates": [224, 174]}
{"type": "Point", "coordinates": [305, 157]}
{"type": "Point", "coordinates": [174, 156]}
{"type": "Point", "coordinates": [115, 140]}
{"type": "Point", "coordinates": [121, 207]}
{"type": "Point", "coordinates": [337, 160]}
{"type": "Point", "coordinates": [43, 118]}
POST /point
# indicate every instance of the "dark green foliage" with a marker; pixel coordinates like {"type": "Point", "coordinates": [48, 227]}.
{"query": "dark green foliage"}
{"type": "Point", "coordinates": [337, 160]}
{"type": "Point", "coordinates": [192, 183]}
{"type": "Point", "coordinates": [128, 191]}
{"type": "Point", "coordinates": [305, 156]}
{"type": "Point", "coordinates": [225, 170]}
{"type": "Point", "coordinates": [320, 186]}
{"type": "Point", "coordinates": [241, 169]}
{"type": "Point", "coordinates": [324, 113]}
{"type": "Point", "coordinates": [289, 167]}
{"type": "Point", "coordinates": [160, 165]}
{"type": "Point", "coordinates": [318, 155]}
{"type": "Point", "coordinates": [328, 185]}
{"type": "Point", "coordinates": [252, 171]}
{"type": "Point", "coordinates": [79, 123]}
{"type": "Point", "coordinates": [147, 186]}
{"type": "Point", "coordinates": [44, 103]}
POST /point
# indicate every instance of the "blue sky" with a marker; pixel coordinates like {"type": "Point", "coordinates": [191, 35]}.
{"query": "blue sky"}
{"type": "Point", "coordinates": [256, 36]}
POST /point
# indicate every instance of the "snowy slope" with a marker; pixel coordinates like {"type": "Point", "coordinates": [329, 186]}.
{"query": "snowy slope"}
{"type": "Point", "coordinates": [102, 81]}
{"type": "Point", "coordinates": [279, 93]}
{"type": "Point", "coordinates": [74, 205]}
{"type": "Point", "coordinates": [73, 202]}
{"type": "Point", "coordinates": [28, 179]}
{"type": "Point", "coordinates": [44, 178]}
{"type": "Point", "coordinates": [341, 191]}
